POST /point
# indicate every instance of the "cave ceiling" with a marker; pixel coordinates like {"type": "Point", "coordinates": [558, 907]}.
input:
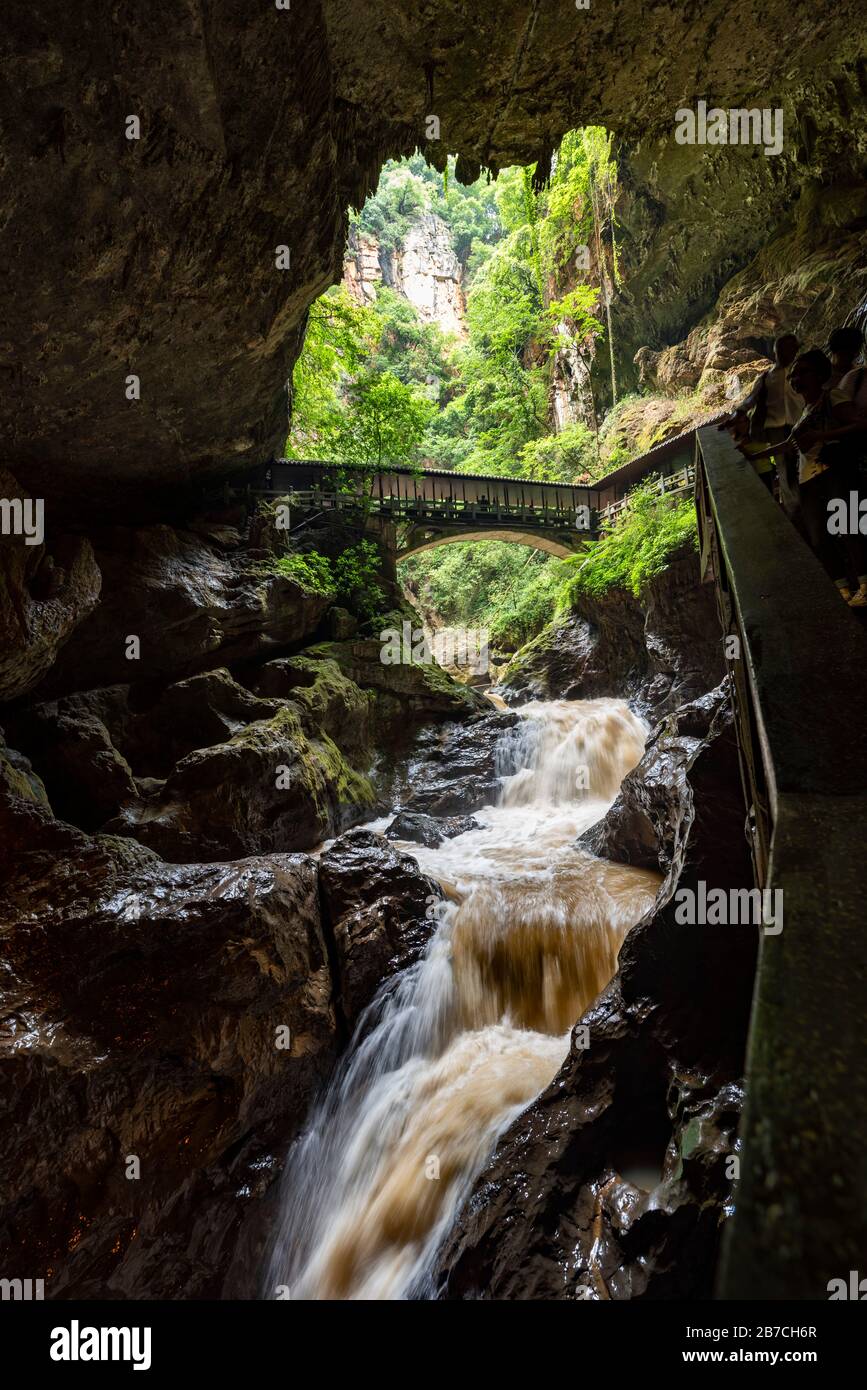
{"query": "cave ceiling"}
{"type": "Point", "coordinates": [155, 257]}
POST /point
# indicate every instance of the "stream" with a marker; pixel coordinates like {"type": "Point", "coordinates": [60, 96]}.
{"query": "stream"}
{"type": "Point", "coordinates": [449, 1055]}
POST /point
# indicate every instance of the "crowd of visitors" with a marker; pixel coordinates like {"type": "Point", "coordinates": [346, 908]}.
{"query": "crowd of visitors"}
{"type": "Point", "coordinates": [803, 427]}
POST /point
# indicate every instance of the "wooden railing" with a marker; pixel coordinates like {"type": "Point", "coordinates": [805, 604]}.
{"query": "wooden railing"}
{"type": "Point", "coordinates": [799, 669]}
{"type": "Point", "coordinates": [421, 509]}
{"type": "Point", "coordinates": [670, 485]}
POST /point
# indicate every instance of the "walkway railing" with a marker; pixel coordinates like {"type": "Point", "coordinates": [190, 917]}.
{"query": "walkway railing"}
{"type": "Point", "coordinates": [670, 485]}
{"type": "Point", "coordinates": [800, 1211]}
{"type": "Point", "coordinates": [421, 510]}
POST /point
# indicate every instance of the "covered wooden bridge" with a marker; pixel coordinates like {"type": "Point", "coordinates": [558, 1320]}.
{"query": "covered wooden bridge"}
{"type": "Point", "coordinates": [419, 510]}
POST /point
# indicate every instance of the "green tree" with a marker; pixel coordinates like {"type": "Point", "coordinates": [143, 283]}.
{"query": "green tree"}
{"type": "Point", "coordinates": [383, 422]}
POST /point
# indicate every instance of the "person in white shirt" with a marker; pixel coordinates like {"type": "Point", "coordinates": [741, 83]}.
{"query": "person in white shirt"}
{"type": "Point", "coordinates": [854, 385]}
{"type": "Point", "coordinates": [774, 407]}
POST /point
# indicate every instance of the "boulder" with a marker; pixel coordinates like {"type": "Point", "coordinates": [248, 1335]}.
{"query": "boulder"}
{"type": "Point", "coordinates": [456, 769]}
{"type": "Point", "coordinates": [377, 904]}
{"type": "Point", "coordinates": [88, 780]}
{"type": "Point", "coordinates": [191, 605]}
{"type": "Point", "coordinates": [45, 594]}
{"type": "Point", "coordinates": [177, 1018]}
{"type": "Point", "coordinates": [267, 789]}
{"type": "Point", "coordinates": [327, 700]}
{"type": "Point", "coordinates": [426, 830]}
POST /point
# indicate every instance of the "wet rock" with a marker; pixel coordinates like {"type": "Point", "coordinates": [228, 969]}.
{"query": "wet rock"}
{"type": "Point", "coordinates": [377, 905]}
{"type": "Point", "coordinates": [613, 1183]}
{"type": "Point", "coordinates": [658, 651]}
{"type": "Point", "coordinates": [596, 650]}
{"type": "Point", "coordinates": [87, 778]}
{"type": "Point", "coordinates": [270, 788]}
{"type": "Point", "coordinates": [455, 770]}
{"type": "Point", "coordinates": [694, 747]}
{"type": "Point", "coordinates": [204, 710]}
{"type": "Point", "coordinates": [413, 691]}
{"type": "Point", "coordinates": [425, 830]}
{"type": "Point", "coordinates": [142, 1005]}
{"type": "Point", "coordinates": [190, 604]}
{"type": "Point", "coordinates": [327, 700]}
{"type": "Point", "coordinates": [44, 595]}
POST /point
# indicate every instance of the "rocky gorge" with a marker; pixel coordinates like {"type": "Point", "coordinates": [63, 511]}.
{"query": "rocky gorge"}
{"type": "Point", "coordinates": [281, 923]}
{"type": "Point", "coordinates": [185, 969]}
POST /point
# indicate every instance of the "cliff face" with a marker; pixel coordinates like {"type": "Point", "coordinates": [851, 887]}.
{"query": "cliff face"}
{"type": "Point", "coordinates": [156, 256]}
{"type": "Point", "coordinates": [659, 651]}
{"type": "Point", "coordinates": [424, 269]}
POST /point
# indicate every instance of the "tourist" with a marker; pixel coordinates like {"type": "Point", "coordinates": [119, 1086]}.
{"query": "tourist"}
{"type": "Point", "coordinates": [826, 437]}
{"type": "Point", "coordinates": [854, 385]}
{"type": "Point", "coordinates": [844, 348]}
{"type": "Point", "coordinates": [763, 465]}
{"type": "Point", "coordinates": [773, 407]}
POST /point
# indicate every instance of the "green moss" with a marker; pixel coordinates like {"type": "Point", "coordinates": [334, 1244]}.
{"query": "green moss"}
{"type": "Point", "coordinates": [346, 786]}
{"type": "Point", "coordinates": [640, 544]}
{"type": "Point", "coordinates": [28, 786]}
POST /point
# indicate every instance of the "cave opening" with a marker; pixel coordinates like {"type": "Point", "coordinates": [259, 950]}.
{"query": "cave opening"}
{"type": "Point", "coordinates": [331, 331]}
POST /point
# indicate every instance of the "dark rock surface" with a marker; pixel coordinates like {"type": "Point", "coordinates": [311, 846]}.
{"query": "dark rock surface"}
{"type": "Point", "coordinates": [150, 996]}
{"type": "Point", "coordinates": [426, 830]}
{"type": "Point", "coordinates": [377, 905]}
{"type": "Point", "coordinates": [173, 250]}
{"type": "Point", "coordinates": [614, 1183]}
{"type": "Point", "coordinates": [191, 604]}
{"type": "Point", "coordinates": [46, 591]}
{"type": "Point", "coordinates": [456, 769]}
{"type": "Point", "coordinates": [659, 651]}
{"type": "Point", "coordinates": [686, 772]}
{"type": "Point", "coordinates": [269, 788]}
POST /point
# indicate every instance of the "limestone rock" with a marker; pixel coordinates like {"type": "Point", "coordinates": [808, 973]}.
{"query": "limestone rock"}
{"type": "Point", "coordinates": [45, 593]}
{"type": "Point", "coordinates": [377, 904]}
{"type": "Point", "coordinates": [151, 998]}
{"type": "Point", "coordinates": [267, 789]}
{"type": "Point", "coordinates": [191, 605]}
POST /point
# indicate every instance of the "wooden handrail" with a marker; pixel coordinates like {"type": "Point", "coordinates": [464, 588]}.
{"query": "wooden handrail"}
{"type": "Point", "coordinates": [800, 1210]}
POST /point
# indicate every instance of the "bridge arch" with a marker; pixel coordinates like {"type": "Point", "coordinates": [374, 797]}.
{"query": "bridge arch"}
{"type": "Point", "coordinates": [423, 540]}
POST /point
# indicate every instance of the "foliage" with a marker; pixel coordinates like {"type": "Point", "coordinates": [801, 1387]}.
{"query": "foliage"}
{"type": "Point", "coordinates": [340, 336]}
{"type": "Point", "coordinates": [309, 569]}
{"type": "Point", "coordinates": [639, 545]}
{"type": "Point", "coordinates": [569, 456]}
{"type": "Point", "coordinates": [351, 576]}
{"type": "Point", "coordinates": [508, 589]}
{"type": "Point", "coordinates": [409, 188]}
{"type": "Point", "coordinates": [355, 574]}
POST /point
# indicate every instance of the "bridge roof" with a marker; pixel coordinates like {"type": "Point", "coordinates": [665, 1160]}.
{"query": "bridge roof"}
{"type": "Point", "coordinates": [444, 473]}
{"type": "Point", "coordinates": [623, 476]}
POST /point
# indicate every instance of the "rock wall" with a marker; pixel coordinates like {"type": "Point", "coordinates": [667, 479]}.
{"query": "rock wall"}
{"type": "Point", "coordinates": [423, 268]}
{"type": "Point", "coordinates": [658, 651]}
{"type": "Point", "coordinates": [256, 131]}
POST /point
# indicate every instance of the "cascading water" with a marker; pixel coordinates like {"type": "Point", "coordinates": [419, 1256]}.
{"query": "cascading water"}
{"type": "Point", "coordinates": [446, 1059]}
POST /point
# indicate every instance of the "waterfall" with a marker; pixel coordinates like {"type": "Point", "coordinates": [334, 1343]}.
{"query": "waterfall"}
{"type": "Point", "coordinates": [444, 1060]}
